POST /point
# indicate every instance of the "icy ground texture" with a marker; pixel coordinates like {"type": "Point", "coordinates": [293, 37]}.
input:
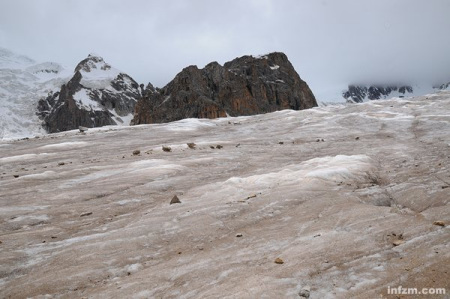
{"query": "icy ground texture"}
{"type": "Point", "coordinates": [100, 225]}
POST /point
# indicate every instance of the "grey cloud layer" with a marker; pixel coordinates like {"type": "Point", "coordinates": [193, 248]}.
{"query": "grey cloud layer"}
{"type": "Point", "coordinates": [329, 42]}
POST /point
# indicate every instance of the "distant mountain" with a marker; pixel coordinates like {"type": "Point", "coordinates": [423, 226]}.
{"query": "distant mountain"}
{"type": "Point", "coordinates": [96, 95]}
{"type": "Point", "coordinates": [442, 86]}
{"type": "Point", "coordinates": [45, 97]}
{"type": "Point", "coordinates": [361, 93]}
{"type": "Point", "coordinates": [36, 98]}
{"type": "Point", "coordinates": [244, 86]}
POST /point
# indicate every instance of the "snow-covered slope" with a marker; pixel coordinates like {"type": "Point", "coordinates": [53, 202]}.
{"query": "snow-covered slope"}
{"type": "Point", "coordinates": [352, 199]}
{"type": "Point", "coordinates": [22, 83]}
{"type": "Point", "coordinates": [11, 60]}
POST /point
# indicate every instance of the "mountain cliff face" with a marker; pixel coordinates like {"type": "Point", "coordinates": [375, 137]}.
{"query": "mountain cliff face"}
{"type": "Point", "coordinates": [361, 93]}
{"type": "Point", "coordinates": [245, 86]}
{"type": "Point", "coordinates": [96, 95]}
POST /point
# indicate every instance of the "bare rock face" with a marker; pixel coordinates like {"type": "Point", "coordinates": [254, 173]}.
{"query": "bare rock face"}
{"type": "Point", "coordinates": [97, 95]}
{"type": "Point", "coordinates": [245, 86]}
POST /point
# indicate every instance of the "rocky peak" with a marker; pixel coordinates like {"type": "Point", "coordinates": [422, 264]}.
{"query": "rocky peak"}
{"type": "Point", "coordinates": [96, 95]}
{"type": "Point", "coordinates": [244, 86]}
{"type": "Point", "coordinates": [93, 61]}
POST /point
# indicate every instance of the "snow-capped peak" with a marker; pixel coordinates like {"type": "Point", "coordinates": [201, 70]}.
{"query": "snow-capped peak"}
{"type": "Point", "coordinates": [91, 63]}
{"type": "Point", "coordinates": [92, 54]}
{"type": "Point", "coordinates": [261, 56]}
{"type": "Point", "coordinates": [95, 72]}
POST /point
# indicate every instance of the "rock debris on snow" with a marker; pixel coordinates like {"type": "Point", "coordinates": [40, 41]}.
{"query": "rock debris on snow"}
{"type": "Point", "coordinates": [439, 223]}
{"type": "Point", "coordinates": [305, 292]}
{"type": "Point", "coordinates": [86, 214]}
{"type": "Point", "coordinates": [174, 200]}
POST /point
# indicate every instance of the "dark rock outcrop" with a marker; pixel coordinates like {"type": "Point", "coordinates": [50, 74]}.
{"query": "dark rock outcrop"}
{"type": "Point", "coordinates": [361, 93]}
{"type": "Point", "coordinates": [442, 86]}
{"type": "Point", "coordinates": [97, 95]}
{"type": "Point", "coordinates": [245, 86]}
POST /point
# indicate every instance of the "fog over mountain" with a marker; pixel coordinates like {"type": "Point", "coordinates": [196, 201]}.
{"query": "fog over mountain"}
{"type": "Point", "coordinates": [331, 43]}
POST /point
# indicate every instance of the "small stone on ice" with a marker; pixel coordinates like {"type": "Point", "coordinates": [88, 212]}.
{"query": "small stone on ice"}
{"type": "Point", "coordinates": [136, 152]}
{"type": "Point", "coordinates": [82, 129]}
{"type": "Point", "coordinates": [239, 235]}
{"type": "Point", "coordinates": [279, 261]}
{"type": "Point", "coordinates": [175, 199]}
{"type": "Point", "coordinates": [305, 292]}
{"type": "Point", "coordinates": [439, 223]}
{"type": "Point", "coordinates": [398, 242]}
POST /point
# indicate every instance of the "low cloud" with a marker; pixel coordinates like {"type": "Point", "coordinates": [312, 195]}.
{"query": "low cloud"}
{"type": "Point", "coordinates": [328, 42]}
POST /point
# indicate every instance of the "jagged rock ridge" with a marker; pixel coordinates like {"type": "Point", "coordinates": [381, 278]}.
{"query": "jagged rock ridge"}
{"type": "Point", "coordinates": [97, 95]}
{"type": "Point", "coordinates": [361, 93]}
{"type": "Point", "coordinates": [442, 86]}
{"type": "Point", "coordinates": [245, 86]}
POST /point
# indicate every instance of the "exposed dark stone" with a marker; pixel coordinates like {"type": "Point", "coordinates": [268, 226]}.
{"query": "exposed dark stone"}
{"type": "Point", "coordinates": [174, 200]}
{"type": "Point", "coordinates": [441, 86]}
{"type": "Point", "coordinates": [244, 86]}
{"type": "Point", "coordinates": [86, 214]}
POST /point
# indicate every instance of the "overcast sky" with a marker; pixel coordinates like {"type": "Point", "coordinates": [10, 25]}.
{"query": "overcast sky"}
{"type": "Point", "coordinates": [329, 42]}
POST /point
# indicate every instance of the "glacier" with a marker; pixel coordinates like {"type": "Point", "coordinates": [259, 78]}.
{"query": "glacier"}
{"type": "Point", "coordinates": [350, 197]}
